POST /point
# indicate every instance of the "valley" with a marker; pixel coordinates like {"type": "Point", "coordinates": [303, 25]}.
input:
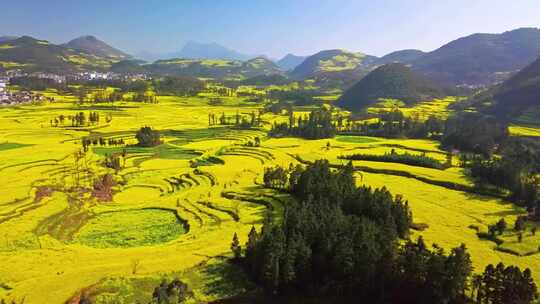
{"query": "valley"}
{"type": "Point", "coordinates": [269, 152]}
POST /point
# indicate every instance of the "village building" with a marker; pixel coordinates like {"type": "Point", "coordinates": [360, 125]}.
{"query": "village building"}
{"type": "Point", "coordinates": [3, 89]}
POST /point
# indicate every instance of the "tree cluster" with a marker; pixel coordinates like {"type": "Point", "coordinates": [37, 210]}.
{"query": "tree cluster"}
{"type": "Point", "coordinates": [298, 97]}
{"type": "Point", "coordinates": [514, 170]}
{"type": "Point", "coordinates": [421, 160]}
{"type": "Point", "coordinates": [103, 96]}
{"type": "Point", "coordinates": [178, 86]}
{"type": "Point", "coordinates": [394, 124]}
{"type": "Point", "coordinates": [341, 240]}
{"type": "Point", "coordinates": [332, 241]}
{"type": "Point", "coordinates": [473, 132]}
{"type": "Point", "coordinates": [147, 137]}
{"type": "Point", "coordinates": [100, 141]}
{"type": "Point", "coordinates": [146, 97]}
{"type": "Point", "coordinates": [318, 124]}
{"type": "Point", "coordinates": [171, 293]}
{"type": "Point", "coordinates": [29, 83]}
{"type": "Point", "coordinates": [504, 285]}
{"type": "Point", "coordinates": [79, 119]}
{"type": "Point", "coordinates": [237, 120]}
{"type": "Point", "coordinates": [114, 161]}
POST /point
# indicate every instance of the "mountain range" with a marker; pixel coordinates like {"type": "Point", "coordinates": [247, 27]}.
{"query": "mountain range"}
{"type": "Point", "coordinates": [481, 59]}
{"type": "Point", "coordinates": [475, 60]}
{"type": "Point", "coordinates": [198, 50]}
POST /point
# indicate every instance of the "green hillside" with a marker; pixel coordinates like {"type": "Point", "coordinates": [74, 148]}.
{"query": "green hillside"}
{"type": "Point", "coordinates": [214, 68]}
{"type": "Point", "coordinates": [128, 66]}
{"type": "Point", "coordinates": [31, 54]}
{"type": "Point", "coordinates": [403, 56]}
{"type": "Point", "coordinates": [481, 59]}
{"type": "Point", "coordinates": [96, 47]}
{"type": "Point", "coordinates": [331, 62]}
{"type": "Point", "coordinates": [519, 95]}
{"type": "Point", "coordinates": [392, 81]}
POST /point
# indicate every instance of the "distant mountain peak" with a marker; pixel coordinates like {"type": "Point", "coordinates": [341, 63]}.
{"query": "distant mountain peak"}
{"type": "Point", "coordinates": [210, 50]}
{"type": "Point", "coordinates": [87, 37]}
{"type": "Point", "coordinates": [290, 61]}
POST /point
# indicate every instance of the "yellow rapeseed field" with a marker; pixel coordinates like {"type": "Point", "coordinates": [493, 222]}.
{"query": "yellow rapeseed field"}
{"type": "Point", "coordinates": [175, 207]}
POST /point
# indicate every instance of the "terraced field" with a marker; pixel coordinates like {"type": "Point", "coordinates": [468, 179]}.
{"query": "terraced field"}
{"type": "Point", "coordinates": [175, 207]}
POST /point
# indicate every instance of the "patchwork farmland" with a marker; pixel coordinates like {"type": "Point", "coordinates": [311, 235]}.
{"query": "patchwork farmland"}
{"type": "Point", "coordinates": [71, 225]}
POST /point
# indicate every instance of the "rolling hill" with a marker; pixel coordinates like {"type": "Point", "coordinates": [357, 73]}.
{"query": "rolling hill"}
{"type": "Point", "coordinates": [128, 66]}
{"type": "Point", "coordinates": [392, 81]}
{"type": "Point", "coordinates": [259, 66]}
{"type": "Point", "coordinates": [481, 59]}
{"type": "Point", "coordinates": [331, 61]}
{"type": "Point", "coordinates": [334, 68]}
{"type": "Point", "coordinates": [96, 47]}
{"type": "Point", "coordinates": [31, 54]}
{"type": "Point", "coordinates": [403, 56]}
{"type": "Point", "coordinates": [214, 68]}
{"type": "Point", "coordinates": [290, 61]}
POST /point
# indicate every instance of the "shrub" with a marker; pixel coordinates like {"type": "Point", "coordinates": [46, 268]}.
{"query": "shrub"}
{"type": "Point", "coordinates": [148, 137]}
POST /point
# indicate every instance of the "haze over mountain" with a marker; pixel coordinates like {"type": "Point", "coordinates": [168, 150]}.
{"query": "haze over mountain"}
{"type": "Point", "coordinates": [198, 50]}
{"type": "Point", "coordinates": [393, 81]}
{"type": "Point", "coordinates": [7, 38]}
{"type": "Point", "coordinates": [290, 61]}
{"type": "Point", "coordinates": [94, 46]}
{"type": "Point", "coordinates": [481, 59]}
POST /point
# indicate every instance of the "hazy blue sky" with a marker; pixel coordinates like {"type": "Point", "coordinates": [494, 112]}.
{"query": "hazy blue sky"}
{"type": "Point", "coordinates": [271, 27]}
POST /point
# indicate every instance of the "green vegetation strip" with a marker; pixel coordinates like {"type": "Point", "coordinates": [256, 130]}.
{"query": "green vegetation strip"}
{"type": "Point", "coordinates": [10, 146]}
{"type": "Point", "coordinates": [406, 158]}
{"type": "Point", "coordinates": [132, 228]}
